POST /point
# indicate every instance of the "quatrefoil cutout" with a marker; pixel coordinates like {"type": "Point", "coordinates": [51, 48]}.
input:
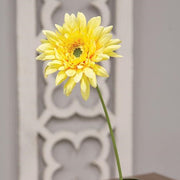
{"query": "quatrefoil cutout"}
{"type": "Point", "coordinates": [66, 154]}
{"type": "Point", "coordinates": [65, 148]}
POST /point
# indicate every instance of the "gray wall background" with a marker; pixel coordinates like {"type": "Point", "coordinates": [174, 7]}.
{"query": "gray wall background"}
{"type": "Point", "coordinates": [156, 88]}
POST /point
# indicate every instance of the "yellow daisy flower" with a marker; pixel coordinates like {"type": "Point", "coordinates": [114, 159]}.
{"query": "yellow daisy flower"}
{"type": "Point", "coordinates": [75, 50]}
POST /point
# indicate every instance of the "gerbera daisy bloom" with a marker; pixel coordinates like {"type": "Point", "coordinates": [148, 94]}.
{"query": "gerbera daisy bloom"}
{"type": "Point", "coordinates": [75, 50]}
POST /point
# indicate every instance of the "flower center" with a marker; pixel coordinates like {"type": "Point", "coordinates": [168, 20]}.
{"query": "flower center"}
{"type": "Point", "coordinates": [77, 52]}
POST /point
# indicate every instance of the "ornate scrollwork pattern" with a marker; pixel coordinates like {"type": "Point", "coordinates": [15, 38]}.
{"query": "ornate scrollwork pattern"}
{"type": "Point", "coordinates": [32, 124]}
{"type": "Point", "coordinates": [75, 107]}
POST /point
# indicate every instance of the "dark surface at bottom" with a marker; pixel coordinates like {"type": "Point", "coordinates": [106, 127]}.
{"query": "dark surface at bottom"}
{"type": "Point", "coordinates": [152, 176]}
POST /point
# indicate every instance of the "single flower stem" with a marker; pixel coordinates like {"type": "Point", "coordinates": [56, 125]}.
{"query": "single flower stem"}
{"type": "Point", "coordinates": [111, 133]}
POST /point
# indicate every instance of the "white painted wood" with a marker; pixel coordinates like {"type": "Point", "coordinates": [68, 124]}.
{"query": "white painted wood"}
{"type": "Point", "coordinates": [30, 124]}
{"type": "Point", "coordinates": [27, 87]}
{"type": "Point", "coordinates": [124, 85]}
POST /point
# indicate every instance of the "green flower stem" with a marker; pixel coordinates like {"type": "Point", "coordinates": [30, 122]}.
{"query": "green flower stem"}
{"type": "Point", "coordinates": [111, 133]}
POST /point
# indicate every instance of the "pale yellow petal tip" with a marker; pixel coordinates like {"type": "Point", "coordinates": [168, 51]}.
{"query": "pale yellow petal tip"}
{"type": "Point", "coordinates": [85, 98]}
{"type": "Point", "coordinates": [45, 75]}
{"type": "Point", "coordinates": [66, 17]}
{"type": "Point", "coordinates": [37, 58]}
{"type": "Point", "coordinates": [80, 14]}
{"type": "Point", "coordinates": [67, 94]}
{"type": "Point", "coordinates": [37, 49]}
{"type": "Point", "coordinates": [85, 95]}
{"type": "Point", "coordinates": [98, 17]}
{"type": "Point", "coordinates": [57, 82]}
{"type": "Point", "coordinates": [57, 26]}
{"type": "Point", "coordinates": [95, 86]}
{"type": "Point", "coordinates": [120, 56]}
{"type": "Point", "coordinates": [66, 14]}
{"type": "Point", "coordinates": [110, 28]}
{"type": "Point", "coordinates": [44, 32]}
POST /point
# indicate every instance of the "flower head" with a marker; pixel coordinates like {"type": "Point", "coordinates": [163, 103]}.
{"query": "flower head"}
{"type": "Point", "coordinates": [75, 50]}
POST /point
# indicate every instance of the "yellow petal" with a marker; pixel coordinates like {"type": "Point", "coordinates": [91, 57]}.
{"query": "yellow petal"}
{"type": "Point", "coordinates": [82, 20]}
{"type": "Point", "coordinates": [66, 18]}
{"type": "Point", "coordinates": [107, 29]}
{"type": "Point", "coordinates": [49, 57]}
{"type": "Point", "coordinates": [51, 36]}
{"type": "Point", "coordinates": [44, 41]}
{"type": "Point", "coordinates": [111, 48]}
{"type": "Point", "coordinates": [49, 33]}
{"type": "Point", "coordinates": [100, 71]}
{"type": "Point", "coordinates": [61, 68]}
{"type": "Point", "coordinates": [93, 23]}
{"type": "Point", "coordinates": [41, 57]}
{"type": "Point", "coordinates": [78, 77]}
{"type": "Point", "coordinates": [85, 88]}
{"type": "Point", "coordinates": [98, 31]}
{"type": "Point", "coordinates": [45, 57]}
{"type": "Point", "coordinates": [68, 87]}
{"type": "Point", "coordinates": [55, 64]}
{"type": "Point", "coordinates": [57, 54]}
{"type": "Point", "coordinates": [89, 72]}
{"type": "Point", "coordinates": [101, 57]}
{"type": "Point", "coordinates": [70, 72]}
{"type": "Point", "coordinates": [50, 51]}
{"type": "Point", "coordinates": [80, 66]}
{"type": "Point", "coordinates": [105, 39]}
{"type": "Point", "coordinates": [73, 22]}
{"type": "Point", "coordinates": [59, 28]}
{"type": "Point", "coordinates": [61, 76]}
{"type": "Point", "coordinates": [44, 47]}
{"type": "Point", "coordinates": [114, 42]}
{"type": "Point", "coordinates": [49, 70]}
{"type": "Point", "coordinates": [93, 81]}
{"type": "Point", "coordinates": [113, 54]}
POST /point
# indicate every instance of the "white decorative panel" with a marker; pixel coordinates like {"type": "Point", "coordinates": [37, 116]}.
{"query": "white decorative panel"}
{"type": "Point", "coordinates": [65, 137]}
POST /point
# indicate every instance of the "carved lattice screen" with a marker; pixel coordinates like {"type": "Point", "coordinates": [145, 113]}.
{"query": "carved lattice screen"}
{"type": "Point", "coordinates": [67, 138]}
